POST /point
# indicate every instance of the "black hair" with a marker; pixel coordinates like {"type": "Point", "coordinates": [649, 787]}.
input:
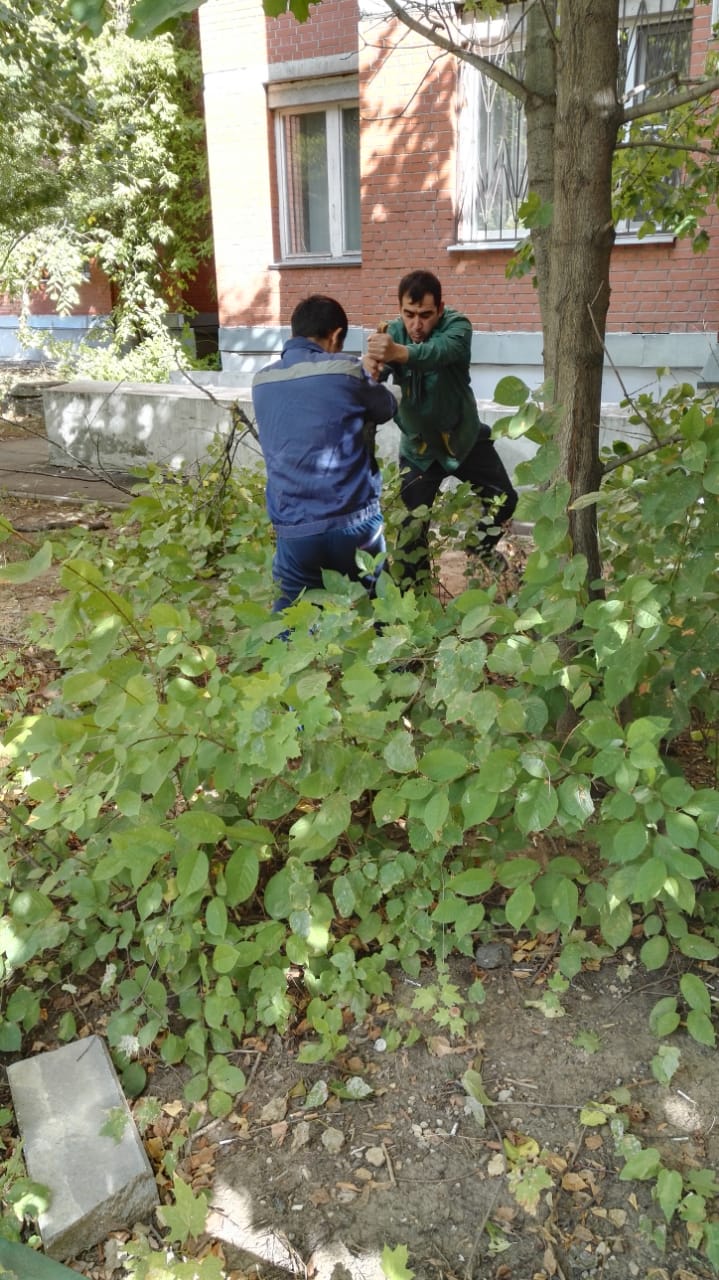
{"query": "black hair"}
{"type": "Point", "coordinates": [317, 317]}
{"type": "Point", "coordinates": [418, 283]}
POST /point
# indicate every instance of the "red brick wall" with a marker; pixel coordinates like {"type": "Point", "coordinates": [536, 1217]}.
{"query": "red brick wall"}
{"type": "Point", "coordinates": [94, 300]}
{"type": "Point", "coordinates": [408, 154]}
{"type": "Point", "coordinates": [331, 28]}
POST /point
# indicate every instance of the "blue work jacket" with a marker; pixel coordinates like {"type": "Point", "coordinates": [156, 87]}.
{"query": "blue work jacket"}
{"type": "Point", "coordinates": [312, 411]}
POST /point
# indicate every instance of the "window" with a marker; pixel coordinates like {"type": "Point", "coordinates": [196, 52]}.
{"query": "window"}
{"type": "Point", "coordinates": [492, 153]}
{"type": "Point", "coordinates": [319, 187]}
{"type": "Point", "coordinates": [651, 52]}
{"type": "Point", "coordinates": [492, 140]}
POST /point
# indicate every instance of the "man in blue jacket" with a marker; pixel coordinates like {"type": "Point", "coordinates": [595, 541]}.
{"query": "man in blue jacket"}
{"type": "Point", "coordinates": [428, 350]}
{"type": "Point", "coordinates": [315, 409]}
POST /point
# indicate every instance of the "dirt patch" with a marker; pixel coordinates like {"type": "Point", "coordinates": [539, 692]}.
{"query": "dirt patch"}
{"type": "Point", "coordinates": [319, 1190]}
{"type": "Point", "coordinates": [304, 1180]}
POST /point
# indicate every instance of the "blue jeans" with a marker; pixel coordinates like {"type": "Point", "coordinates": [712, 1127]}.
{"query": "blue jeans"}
{"type": "Point", "coordinates": [299, 562]}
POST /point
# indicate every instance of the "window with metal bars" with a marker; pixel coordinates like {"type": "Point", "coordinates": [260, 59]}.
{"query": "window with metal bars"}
{"type": "Point", "coordinates": [654, 47]}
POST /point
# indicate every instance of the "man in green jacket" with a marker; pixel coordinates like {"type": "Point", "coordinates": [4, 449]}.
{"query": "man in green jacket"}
{"type": "Point", "coordinates": [428, 350]}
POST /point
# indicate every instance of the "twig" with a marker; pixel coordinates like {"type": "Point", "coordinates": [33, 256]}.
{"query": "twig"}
{"type": "Point", "coordinates": [547, 961]}
{"type": "Point", "coordinates": [390, 1166]}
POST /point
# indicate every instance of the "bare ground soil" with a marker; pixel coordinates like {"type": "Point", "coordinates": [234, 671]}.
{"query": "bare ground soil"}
{"type": "Point", "coordinates": [304, 1182]}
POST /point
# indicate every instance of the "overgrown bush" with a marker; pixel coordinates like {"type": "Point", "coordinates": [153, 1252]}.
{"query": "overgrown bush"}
{"type": "Point", "coordinates": [206, 802]}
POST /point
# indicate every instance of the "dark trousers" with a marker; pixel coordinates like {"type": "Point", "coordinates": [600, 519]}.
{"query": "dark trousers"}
{"type": "Point", "coordinates": [484, 470]}
{"type": "Point", "coordinates": [298, 562]}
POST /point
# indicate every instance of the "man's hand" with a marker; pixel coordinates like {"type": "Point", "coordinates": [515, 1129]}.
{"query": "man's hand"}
{"type": "Point", "coordinates": [372, 367]}
{"type": "Point", "coordinates": [385, 350]}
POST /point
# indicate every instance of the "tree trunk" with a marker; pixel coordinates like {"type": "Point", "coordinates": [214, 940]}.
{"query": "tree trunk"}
{"type": "Point", "coordinates": [586, 123]}
{"type": "Point", "coordinates": [540, 110]}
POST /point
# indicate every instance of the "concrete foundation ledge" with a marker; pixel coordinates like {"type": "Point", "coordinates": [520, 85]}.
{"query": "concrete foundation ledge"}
{"type": "Point", "coordinates": [116, 426]}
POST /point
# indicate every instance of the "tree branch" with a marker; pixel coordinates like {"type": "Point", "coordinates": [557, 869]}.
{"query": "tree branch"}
{"type": "Point", "coordinates": [434, 36]}
{"type": "Point", "coordinates": [651, 447]}
{"type": "Point", "coordinates": [668, 146]}
{"type": "Point", "coordinates": [668, 101]}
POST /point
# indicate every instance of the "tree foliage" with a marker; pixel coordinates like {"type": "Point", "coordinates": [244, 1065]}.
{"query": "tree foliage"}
{"type": "Point", "coordinates": [45, 108]}
{"type": "Point", "coordinates": [126, 187]}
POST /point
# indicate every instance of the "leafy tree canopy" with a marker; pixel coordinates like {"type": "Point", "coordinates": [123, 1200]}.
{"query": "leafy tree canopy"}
{"type": "Point", "coordinates": [117, 177]}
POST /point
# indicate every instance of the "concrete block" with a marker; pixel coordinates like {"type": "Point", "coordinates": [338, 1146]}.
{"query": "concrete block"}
{"type": "Point", "coordinates": [116, 426]}
{"type": "Point", "coordinates": [98, 1182]}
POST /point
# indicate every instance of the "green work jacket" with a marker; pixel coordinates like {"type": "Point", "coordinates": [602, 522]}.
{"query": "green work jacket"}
{"type": "Point", "coordinates": [438, 415]}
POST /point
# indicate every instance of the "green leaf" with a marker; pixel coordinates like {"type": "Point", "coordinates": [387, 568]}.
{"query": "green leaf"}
{"type": "Point", "coordinates": [654, 952]}
{"type": "Point", "coordinates": [435, 812]}
{"type": "Point", "coordinates": [536, 805]}
{"type": "Point", "coordinates": [473, 882]}
{"type": "Point", "coordinates": [241, 875]}
{"type": "Point", "coordinates": [565, 901]}
{"type": "Point", "coordinates": [193, 872]}
{"type": "Point", "coordinates": [10, 1037]}
{"type": "Point", "coordinates": [520, 905]}
{"type": "Point", "coordinates": [616, 925]}
{"type": "Point", "coordinates": [669, 1191]}
{"type": "Point", "coordinates": [664, 1017]}
{"type": "Point", "coordinates": [197, 826]}
{"type": "Point", "coordinates": [665, 1063]}
{"type": "Point", "coordinates": [278, 903]}
{"type": "Point", "coordinates": [151, 16]}
{"type": "Point", "coordinates": [477, 804]}
{"type": "Point", "coordinates": [700, 1028]}
{"type": "Point", "coordinates": [443, 765]}
{"type": "Point", "coordinates": [399, 753]}
{"type": "Point", "coordinates": [587, 1040]}
{"type": "Point", "coordinates": [511, 391]}
{"type": "Point", "coordinates": [630, 839]}
{"type": "Point", "coordinates": [225, 1076]}
{"type": "Point", "coordinates": [641, 1166]}
{"type": "Point", "coordinates": [695, 992]}
{"type": "Point", "coordinates": [649, 880]}
{"type": "Point", "coordinates": [697, 947]}
{"type": "Point", "coordinates": [394, 1263]}
{"type": "Point", "coordinates": [27, 570]}
{"type": "Point", "coordinates": [595, 1114]}
{"type": "Point", "coordinates": [711, 1243]}
{"type": "Point", "coordinates": [185, 1219]}
{"type": "Point", "coordinates": [682, 829]}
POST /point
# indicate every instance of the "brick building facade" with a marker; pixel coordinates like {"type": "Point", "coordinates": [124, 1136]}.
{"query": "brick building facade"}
{"type": "Point", "coordinates": [263, 76]}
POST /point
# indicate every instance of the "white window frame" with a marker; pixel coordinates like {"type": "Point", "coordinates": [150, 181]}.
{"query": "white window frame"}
{"type": "Point", "coordinates": [491, 34]}
{"type": "Point", "coordinates": [331, 95]}
{"type": "Point", "coordinates": [637, 18]}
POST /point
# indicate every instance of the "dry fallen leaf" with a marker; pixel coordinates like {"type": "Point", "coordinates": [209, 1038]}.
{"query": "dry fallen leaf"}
{"type": "Point", "coordinates": [278, 1132]}
{"type": "Point", "coordinates": [440, 1046]}
{"type": "Point", "coordinates": [573, 1182]}
{"type": "Point", "coordinates": [301, 1135]}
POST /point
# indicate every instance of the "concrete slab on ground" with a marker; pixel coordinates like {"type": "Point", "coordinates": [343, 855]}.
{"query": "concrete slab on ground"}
{"type": "Point", "coordinates": [25, 472]}
{"type": "Point", "coordinates": [98, 1182]}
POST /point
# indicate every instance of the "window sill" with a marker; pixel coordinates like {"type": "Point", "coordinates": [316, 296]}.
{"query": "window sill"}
{"type": "Point", "coordinates": [621, 238]}
{"type": "Point", "coordinates": [631, 237]}
{"type": "Point", "coordinates": [485, 246]}
{"type": "Point", "coordinates": [292, 264]}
